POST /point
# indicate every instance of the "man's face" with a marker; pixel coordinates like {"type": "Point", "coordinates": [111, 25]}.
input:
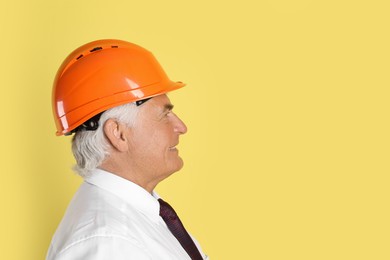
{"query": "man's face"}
{"type": "Point", "coordinates": [154, 138]}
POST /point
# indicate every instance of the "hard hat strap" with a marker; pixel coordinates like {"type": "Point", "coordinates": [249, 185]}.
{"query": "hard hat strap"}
{"type": "Point", "coordinates": [93, 123]}
{"type": "Point", "coordinates": [140, 102]}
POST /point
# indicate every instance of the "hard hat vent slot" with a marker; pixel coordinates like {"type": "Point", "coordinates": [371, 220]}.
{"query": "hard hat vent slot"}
{"type": "Point", "coordinates": [96, 49]}
{"type": "Point", "coordinates": [79, 57]}
{"type": "Point", "coordinates": [114, 46]}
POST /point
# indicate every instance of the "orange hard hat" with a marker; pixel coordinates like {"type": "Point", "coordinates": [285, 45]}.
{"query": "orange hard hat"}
{"type": "Point", "coordinates": [104, 74]}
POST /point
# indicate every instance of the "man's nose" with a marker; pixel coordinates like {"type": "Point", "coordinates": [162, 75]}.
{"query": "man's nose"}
{"type": "Point", "coordinates": [180, 127]}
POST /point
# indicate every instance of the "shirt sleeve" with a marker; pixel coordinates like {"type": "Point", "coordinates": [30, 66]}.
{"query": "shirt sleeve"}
{"type": "Point", "coordinates": [103, 248]}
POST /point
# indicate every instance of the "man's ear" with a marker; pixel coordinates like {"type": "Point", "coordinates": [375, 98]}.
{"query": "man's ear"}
{"type": "Point", "coordinates": [115, 133]}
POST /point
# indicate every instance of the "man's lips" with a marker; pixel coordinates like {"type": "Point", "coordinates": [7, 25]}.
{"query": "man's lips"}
{"type": "Point", "coordinates": [173, 148]}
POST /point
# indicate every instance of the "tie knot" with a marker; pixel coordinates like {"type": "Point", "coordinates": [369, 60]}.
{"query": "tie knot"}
{"type": "Point", "coordinates": [166, 211]}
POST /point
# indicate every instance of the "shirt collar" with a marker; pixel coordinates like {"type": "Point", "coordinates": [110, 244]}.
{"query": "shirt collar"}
{"type": "Point", "coordinates": [128, 191]}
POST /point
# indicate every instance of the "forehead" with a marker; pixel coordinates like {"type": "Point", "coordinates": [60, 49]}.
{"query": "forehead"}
{"type": "Point", "coordinates": [157, 105]}
{"type": "Point", "coordinates": [160, 101]}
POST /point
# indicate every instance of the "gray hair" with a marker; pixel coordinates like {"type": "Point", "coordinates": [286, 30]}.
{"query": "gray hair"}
{"type": "Point", "coordinates": [90, 148]}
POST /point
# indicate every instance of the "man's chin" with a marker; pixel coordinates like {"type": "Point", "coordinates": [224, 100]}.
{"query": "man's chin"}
{"type": "Point", "coordinates": [178, 166]}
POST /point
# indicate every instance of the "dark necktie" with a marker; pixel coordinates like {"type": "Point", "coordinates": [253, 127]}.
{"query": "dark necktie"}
{"type": "Point", "coordinates": [176, 227]}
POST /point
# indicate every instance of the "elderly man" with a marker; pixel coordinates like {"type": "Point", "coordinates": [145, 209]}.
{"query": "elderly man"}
{"type": "Point", "coordinates": [111, 95]}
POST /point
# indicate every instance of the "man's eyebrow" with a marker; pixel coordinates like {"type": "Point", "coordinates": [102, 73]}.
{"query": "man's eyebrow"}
{"type": "Point", "coordinates": [168, 107]}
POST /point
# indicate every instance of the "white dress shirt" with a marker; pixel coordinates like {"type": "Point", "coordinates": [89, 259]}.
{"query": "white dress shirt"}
{"type": "Point", "coordinates": [111, 218]}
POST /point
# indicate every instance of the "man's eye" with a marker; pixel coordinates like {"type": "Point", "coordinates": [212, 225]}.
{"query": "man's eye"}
{"type": "Point", "coordinates": [166, 114]}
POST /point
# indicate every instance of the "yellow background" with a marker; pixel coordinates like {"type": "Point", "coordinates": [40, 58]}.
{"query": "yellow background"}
{"type": "Point", "coordinates": [287, 105]}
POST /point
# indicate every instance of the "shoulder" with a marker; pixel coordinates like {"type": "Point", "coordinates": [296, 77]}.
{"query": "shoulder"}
{"type": "Point", "coordinates": [96, 222]}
